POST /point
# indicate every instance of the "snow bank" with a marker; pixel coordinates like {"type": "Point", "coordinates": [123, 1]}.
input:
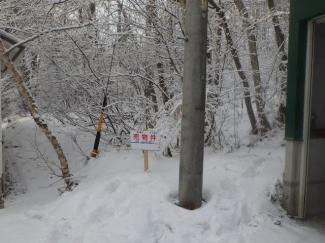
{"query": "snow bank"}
{"type": "Point", "coordinates": [117, 202]}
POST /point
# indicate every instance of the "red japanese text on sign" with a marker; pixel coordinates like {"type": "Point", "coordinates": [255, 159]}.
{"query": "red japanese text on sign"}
{"type": "Point", "coordinates": [153, 137]}
{"type": "Point", "coordinates": [136, 136]}
{"type": "Point", "coordinates": [145, 140]}
{"type": "Point", "coordinates": [144, 137]}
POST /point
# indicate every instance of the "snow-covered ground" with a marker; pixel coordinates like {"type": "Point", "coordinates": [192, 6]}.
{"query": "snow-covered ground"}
{"type": "Point", "coordinates": [117, 202]}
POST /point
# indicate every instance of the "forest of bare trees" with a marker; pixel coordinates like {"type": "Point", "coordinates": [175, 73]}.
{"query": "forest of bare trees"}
{"type": "Point", "coordinates": [132, 51]}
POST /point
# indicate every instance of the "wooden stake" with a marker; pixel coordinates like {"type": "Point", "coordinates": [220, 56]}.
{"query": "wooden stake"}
{"type": "Point", "coordinates": [146, 161]}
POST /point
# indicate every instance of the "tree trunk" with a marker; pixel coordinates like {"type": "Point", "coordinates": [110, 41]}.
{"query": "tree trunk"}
{"type": "Point", "coordinates": [36, 116]}
{"type": "Point", "coordinates": [250, 28]}
{"type": "Point", "coordinates": [2, 180]}
{"type": "Point", "coordinates": [92, 11]}
{"type": "Point", "coordinates": [119, 12]}
{"type": "Point", "coordinates": [162, 83]}
{"type": "Point", "coordinates": [193, 106]}
{"type": "Point", "coordinates": [80, 17]}
{"type": "Point", "coordinates": [218, 46]}
{"type": "Point", "coordinates": [239, 68]}
{"type": "Point", "coordinates": [280, 41]}
{"type": "Point", "coordinates": [152, 13]}
{"type": "Point", "coordinates": [150, 7]}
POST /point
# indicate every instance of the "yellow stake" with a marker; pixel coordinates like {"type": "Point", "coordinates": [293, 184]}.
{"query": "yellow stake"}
{"type": "Point", "coordinates": [101, 118]}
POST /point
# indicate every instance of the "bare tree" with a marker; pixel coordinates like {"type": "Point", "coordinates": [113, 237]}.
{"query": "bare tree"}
{"type": "Point", "coordinates": [250, 28]}
{"type": "Point", "coordinates": [69, 64]}
{"type": "Point", "coordinates": [37, 118]}
{"type": "Point", "coordinates": [280, 41]}
{"type": "Point", "coordinates": [239, 67]}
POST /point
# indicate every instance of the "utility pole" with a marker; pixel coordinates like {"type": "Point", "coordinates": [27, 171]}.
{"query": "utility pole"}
{"type": "Point", "coordinates": [193, 108]}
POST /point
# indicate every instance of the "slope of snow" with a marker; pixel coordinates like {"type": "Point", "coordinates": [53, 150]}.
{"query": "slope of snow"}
{"type": "Point", "coordinates": [117, 202]}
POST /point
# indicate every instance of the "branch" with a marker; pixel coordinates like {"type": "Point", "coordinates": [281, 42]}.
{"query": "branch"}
{"type": "Point", "coordinates": [54, 3]}
{"type": "Point", "coordinates": [46, 32]}
{"type": "Point", "coordinates": [214, 5]}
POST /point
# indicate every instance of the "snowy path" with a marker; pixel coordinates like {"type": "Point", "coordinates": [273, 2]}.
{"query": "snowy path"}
{"type": "Point", "coordinates": [116, 202]}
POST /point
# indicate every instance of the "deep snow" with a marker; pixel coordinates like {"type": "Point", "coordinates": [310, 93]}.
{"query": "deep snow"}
{"type": "Point", "coordinates": [117, 202]}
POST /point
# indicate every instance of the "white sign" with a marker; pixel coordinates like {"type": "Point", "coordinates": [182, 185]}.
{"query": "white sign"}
{"type": "Point", "coordinates": [146, 140]}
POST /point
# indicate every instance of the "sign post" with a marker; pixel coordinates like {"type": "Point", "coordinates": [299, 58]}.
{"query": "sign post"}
{"type": "Point", "coordinates": [146, 160]}
{"type": "Point", "coordinates": [146, 141]}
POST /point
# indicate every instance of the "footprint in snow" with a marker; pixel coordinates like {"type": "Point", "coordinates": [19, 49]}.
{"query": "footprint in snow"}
{"type": "Point", "coordinates": [112, 186]}
{"type": "Point", "coordinates": [33, 214]}
{"type": "Point", "coordinates": [100, 214]}
{"type": "Point", "coordinates": [61, 232]}
{"type": "Point", "coordinates": [228, 185]}
{"type": "Point", "coordinates": [159, 227]}
{"type": "Point", "coordinates": [253, 170]}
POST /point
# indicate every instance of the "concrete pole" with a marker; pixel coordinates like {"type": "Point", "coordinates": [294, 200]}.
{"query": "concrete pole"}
{"type": "Point", "coordinates": [193, 108]}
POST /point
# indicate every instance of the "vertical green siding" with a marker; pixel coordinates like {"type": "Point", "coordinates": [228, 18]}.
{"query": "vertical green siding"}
{"type": "Point", "coordinates": [301, 11]}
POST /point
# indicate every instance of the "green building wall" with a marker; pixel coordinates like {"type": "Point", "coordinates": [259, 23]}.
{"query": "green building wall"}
{"type": "Point", "coordinates": [301, 12]}
{"type": "Point", "coordinates": [294, 179]}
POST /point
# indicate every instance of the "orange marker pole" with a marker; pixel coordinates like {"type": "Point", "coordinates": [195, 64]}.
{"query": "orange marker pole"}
{"type": "Point", "coordinates": [101, 118]}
